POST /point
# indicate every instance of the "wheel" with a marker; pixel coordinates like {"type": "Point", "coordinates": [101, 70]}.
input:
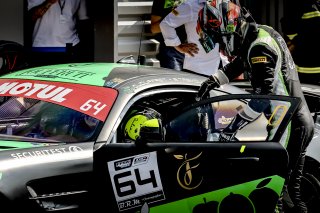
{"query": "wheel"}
{"type": "Point", "coordinates": [310, 186]}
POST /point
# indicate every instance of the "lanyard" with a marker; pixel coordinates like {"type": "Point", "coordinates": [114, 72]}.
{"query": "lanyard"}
{"type": "Point", "coordinates": [62, 4]}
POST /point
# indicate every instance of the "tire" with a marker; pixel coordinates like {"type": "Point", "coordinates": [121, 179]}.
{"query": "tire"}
{"type": "Point", "coordinates": [310, 186]}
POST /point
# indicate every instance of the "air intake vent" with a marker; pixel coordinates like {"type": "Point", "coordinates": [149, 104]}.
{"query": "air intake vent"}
{"type": "Point", "coordinates": [56, 202]}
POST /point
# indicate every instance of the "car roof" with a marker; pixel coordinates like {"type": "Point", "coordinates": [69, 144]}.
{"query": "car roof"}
{"type": "Point", "coordinates": [126, 78]}
{"type": "Point", "coordinates": [102, 74]}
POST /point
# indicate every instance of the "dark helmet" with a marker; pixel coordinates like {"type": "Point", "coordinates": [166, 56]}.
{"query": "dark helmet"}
{"type": "Point", "coordinates": [145, 124]}
{"type": "Point", "coordinates": [12, 57]}
{"type": "Point", "coordinates": [221, 20]}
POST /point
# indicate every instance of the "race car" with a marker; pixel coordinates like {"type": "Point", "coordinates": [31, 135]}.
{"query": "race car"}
{"type": "Point", "coordinates": [116, 137]}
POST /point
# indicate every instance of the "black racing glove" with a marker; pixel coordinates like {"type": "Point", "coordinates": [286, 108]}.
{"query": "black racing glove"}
{"type": "Point", "coordinates": [228, 134]}
{"type": "Point", "coordinates": [206, 86]}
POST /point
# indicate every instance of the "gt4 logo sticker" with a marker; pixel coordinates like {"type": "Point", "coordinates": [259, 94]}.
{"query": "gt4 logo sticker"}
{"type": "Point", "coordinates": [136, 180]}
{"type": "Point", "coordinates": [184, 173]}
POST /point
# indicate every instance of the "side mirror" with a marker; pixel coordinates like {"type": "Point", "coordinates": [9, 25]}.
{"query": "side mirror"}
{"type": "Point", "coordinates": [127, 60]}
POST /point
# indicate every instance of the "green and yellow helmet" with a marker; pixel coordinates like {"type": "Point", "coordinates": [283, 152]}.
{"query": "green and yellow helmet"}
{"type": "Point", "coordinates": [144, 124]}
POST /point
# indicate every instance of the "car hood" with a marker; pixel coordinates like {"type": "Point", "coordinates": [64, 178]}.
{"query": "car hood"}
{"type": "Point", "coordinates": [21, 165]}
{"type": "Point", "coordinates": [9, 145]}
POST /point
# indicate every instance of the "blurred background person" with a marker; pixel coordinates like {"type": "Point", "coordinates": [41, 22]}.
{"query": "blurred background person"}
{"type": "Point", "coordinates": [301, 29]}
{"type": "Point", "coordinates": [56, 25]}
{"type": "Point", "coordinates": [168, 56]}
{"type": "Point", "coordinates": [201, 52]}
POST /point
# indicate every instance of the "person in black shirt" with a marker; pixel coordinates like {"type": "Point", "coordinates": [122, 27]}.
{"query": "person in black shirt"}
{"type": "Point", "coordinates": [301, 28]}
{"type": "Point", "coordinates": [169, 57]}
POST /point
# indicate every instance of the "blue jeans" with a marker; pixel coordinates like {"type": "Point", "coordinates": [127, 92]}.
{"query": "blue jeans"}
{"type": "Point", "coordinates": [170, 58]}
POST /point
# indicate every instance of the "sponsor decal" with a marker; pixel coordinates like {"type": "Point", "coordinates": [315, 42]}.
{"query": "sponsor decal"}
{"type": "Point", "coordinates": [136, 180]}
{"type": "Point", "coordinates": [50, 92]}
{"type": "Point", "coordinates": [260, 59]}
{"type": "Point", "coordinates": [66, 74]}
{"type": "Point", "coordinates": [123, 164]}
{"type": "Point", "coordinates": [83, 98]}
{"type": "Point", "coordinates": [114, 82]}
{"type": "Point", "coordinates": [82, 73]}
{"type": "Point", "coordinates": [46, 152]}
{"type": "Point", "coordinates": [184, 173]}
{"type": "Point", "coordinates": [249, 197]}
{"type": "Point", "coordinates": [223, 120]}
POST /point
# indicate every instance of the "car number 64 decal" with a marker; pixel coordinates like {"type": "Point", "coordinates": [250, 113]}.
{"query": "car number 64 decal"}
{"type": "Point", "coordinates": [93, 104]}
{"type": "Point", "coordinates": [136, 180]}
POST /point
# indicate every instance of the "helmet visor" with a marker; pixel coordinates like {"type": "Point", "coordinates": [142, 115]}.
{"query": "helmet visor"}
{"type": "Point", "coordinates": [222, 16]}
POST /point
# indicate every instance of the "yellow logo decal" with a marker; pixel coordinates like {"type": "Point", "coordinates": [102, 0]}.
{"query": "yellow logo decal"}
{"type": "Point", "coordinates": [260, 59]}
{"type": "Point", "coordinates": [184, 173]}
{"type": "Point", "coordinates": [243, 147]}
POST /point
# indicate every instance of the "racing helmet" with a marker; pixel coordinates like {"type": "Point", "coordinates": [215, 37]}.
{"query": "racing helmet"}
{"type": "Point", "coordinates": [144, 124]}
{"type": "Point", "coordinates": [221, 20]}
{"type": "Point", "coordinates": [12, 57]}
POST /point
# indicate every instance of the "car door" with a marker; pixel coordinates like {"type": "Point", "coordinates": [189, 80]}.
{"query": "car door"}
{"type": "Point", "coordinates": [192, 171]}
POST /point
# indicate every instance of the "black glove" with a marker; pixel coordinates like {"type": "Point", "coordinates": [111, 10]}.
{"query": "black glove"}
{"type": "Point", "coordinates": [206, 86]}
{"type": "Point", "coordinates": [228, 134]}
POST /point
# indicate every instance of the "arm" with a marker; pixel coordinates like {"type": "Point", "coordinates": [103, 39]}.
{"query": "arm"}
{"type": "Point", "coordinates": [38, 11]}
{"type": "Point", "coordinates": [262, 61]}
{"type": "Point", "coordinates": [155, 24]}
{"type": "Point", "coordinates": [83, 23]}
{"type": "Point", "coordinates": [178, 17]}
{"type": "Point", "coordinates": [158, 12]}
{"type": "Point", "coordinates": [289, 30]}
{"type": "Point", "coordinates": [221, 76]}
{"type": "Point", "coordinates": [244, 116]}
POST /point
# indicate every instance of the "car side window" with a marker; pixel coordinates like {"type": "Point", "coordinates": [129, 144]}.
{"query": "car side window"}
{"type": "Point", "coordinates": [151, 113]}
{"type": "Point", "coordinates": [206, 122]}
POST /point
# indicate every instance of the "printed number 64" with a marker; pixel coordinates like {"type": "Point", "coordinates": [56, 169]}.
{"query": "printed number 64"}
{"type": "Point", "coordinates": [98, 106]}
{"type": "Point", "coordinates": [128, 187]}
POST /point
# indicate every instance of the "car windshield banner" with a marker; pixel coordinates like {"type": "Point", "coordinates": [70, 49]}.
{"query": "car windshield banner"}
{"type": "Point", "coordinates": [91, 100]}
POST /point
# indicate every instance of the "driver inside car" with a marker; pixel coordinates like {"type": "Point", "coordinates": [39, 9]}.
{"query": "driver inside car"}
{"type": "Point", "coordinates": [143, 124]}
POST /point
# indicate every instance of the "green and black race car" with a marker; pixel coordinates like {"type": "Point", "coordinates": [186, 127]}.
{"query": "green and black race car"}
{"type": "Point", "coordinates": [111, 137]}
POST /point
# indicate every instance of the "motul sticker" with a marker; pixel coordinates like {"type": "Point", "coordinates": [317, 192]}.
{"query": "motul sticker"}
{"type": "Point", "coordinates": [91, 100]}
{"type": "Point", "coordinates": [136, 180]}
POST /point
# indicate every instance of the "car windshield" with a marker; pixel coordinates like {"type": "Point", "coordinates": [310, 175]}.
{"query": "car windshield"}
{"type": "Point", "coordinates": [27, 119]}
